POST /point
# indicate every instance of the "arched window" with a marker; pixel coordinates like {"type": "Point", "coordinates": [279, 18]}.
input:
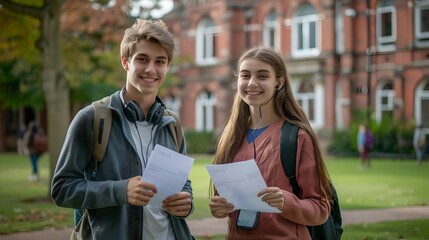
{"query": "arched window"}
{"type": "Point", "coordinates": [384, 101]}
{"type": "Point", "coordinates": [173, 103]}
{"type": "Point", "coordinates": [422, 103]}
{"type": "Point", "coordinates": [206, 42]}
{"type": "Point", "coordinates": [306, 34]}
{"type": "Point", "coordinates": [386, 25]}
{"type": "Point", "coordinates": [306, 98]}
{"type": "Point", "coordinates": [270, 37]}
{"type": "Point", "coordinates": [205, 112]}
{"type": "Point", "coordinates": [310, 95]}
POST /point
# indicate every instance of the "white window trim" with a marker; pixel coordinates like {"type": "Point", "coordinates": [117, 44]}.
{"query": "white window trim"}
{"type": "Point", "coordinates": [420, 36]}
{"type": "Point", "coordinates": [305, 20]}
{"type": "Point", "coordinates": [209, 34]}
{"type": "Point", "coordinates": [379, 106]}
{"type": "Point", "coordinates": [339, 28]}
{"type": "Point", "coordinates": [319, 99]}
{"type": "Point", "coordinates": [268, 27]}
{"type": "Point", "coordinates": [203, 102]}
{"type": "Point", "coordinates": [386, 43]}
{"type": "Point", "coordinates": [174, 104]}
{"type": "Point", "coordinates": [420, 94]}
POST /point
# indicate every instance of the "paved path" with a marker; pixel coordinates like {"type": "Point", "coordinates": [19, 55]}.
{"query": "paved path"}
{"type": "Point", "coordinates": [212, 226]}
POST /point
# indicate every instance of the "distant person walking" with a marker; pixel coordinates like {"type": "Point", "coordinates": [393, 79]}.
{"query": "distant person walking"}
{"type": "Point", "coordinates": [419, 143]}
{"type": "Point", "coordinates": [365, 142]}
{"type": "Point", "coordinates": [20, 147]}
{"type": "Point", "coordinates": [35, 141]}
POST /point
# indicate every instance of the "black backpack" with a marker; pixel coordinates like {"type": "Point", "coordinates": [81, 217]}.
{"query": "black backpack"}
{"type": "Point", "coordinates": [332, 228]}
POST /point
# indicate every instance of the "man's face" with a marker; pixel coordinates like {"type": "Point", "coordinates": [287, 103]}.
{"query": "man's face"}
{"type": "Point", "coordinates": [147, 67]}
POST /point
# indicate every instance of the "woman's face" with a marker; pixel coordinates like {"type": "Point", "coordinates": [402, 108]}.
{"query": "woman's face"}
{"type": "Point", "coordinates": [256, 82]}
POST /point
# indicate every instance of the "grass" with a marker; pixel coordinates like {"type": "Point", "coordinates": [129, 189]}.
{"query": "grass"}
{"type": "Point", "coordinates": [389, 183]}
{"type": "Point", "coordinates": [404, 230]}
{"type": "Point", "coordinates": [25, 206]}
{"type": "Point", "coordinates": [409, 230]}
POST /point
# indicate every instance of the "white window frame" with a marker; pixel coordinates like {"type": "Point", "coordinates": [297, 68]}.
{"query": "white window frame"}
{"type": "Point", "coordinates": [204, 112]}
{"type": "Point", "coordinates": [420, 96]}
{"type": "Point", "coordinates": [174, 103]}
{"type": "Point", "coordinates": [339, 28]}
{"type": "Point", "coordinates": [318, 98]}
{"type": "Point", "coordinates": [271, 30]}
{"type": "Point", "coordinates": [305, 21]}
{"type": "Point", "coordinates": [389, 95]}
{"type": "Point", "coordinates": [304, 99]}
{"type": "Point", "coordinates": [206, 42]}
{"type": "Point", "coordinates": [422, 38]}
{"type": "Point", "coordinates": [386, 43]}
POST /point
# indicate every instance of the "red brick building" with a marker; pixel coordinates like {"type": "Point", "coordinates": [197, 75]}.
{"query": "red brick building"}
{"type": "Point", "coordinates": [342, 55]}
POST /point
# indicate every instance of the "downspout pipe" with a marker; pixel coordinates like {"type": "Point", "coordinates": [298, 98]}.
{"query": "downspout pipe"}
{"type": "Point", "coordinates": [368, 12]}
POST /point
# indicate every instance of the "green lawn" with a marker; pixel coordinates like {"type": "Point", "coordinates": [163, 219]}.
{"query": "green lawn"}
{"type": "Point", "coordinates": [404, 230]}
{"type": "Point", "coordinates": [24, 206]}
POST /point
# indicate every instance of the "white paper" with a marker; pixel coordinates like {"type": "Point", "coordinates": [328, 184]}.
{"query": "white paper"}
{"type": "Point", "coordinates": [168, 171]}
{"type": "Point", "coordinates": [240, 183]}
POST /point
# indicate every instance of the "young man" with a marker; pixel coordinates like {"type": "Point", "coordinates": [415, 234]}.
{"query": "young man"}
{"type": "Point", "coordinates": [117, 201]}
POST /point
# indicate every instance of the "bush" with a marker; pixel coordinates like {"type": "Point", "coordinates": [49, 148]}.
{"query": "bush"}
{"type": "Point", "coordinates": [342, 141]}
{"type": "Point", "coordinates": [390, 137]}
{"type": "Point", "coordinates": [200, 142]}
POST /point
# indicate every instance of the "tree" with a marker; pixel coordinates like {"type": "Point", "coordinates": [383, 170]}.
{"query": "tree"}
{"type": "Point", "coordinates": [20, 64]}
{"type": "Point", "coordinates": [55, 87]}
{"type": "Point", "coordinates": [91, 37]}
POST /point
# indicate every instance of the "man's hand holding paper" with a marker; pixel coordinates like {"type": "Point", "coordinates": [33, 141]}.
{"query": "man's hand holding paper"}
{"type": "Point", "coordinates": [168, 171]}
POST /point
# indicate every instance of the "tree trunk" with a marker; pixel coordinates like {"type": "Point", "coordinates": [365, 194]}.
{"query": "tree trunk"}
{"type": "Point", "coordinates": [55, 86]}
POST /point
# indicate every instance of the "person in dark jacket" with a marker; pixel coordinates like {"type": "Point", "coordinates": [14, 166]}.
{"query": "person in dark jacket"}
{"type": "Point", "coordinates": [117, 201]}
{"type": "Point", "coordinates": [32, 149]}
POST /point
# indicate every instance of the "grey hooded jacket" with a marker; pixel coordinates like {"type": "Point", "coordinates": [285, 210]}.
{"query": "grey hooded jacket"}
{"type": "Point", "coordinates": [104, 195]}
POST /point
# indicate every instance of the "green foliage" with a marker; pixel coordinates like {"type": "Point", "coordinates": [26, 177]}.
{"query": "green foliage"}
{"type": "Point", "coordinates": [18, 36]}
{"type": "Point", "coordinates": [20, 84]}
{"type": "Point", "coordinates": [200, 142]}
{"type": "Point", "coordinates": [393, 136]}
{"type": "Point", "coordinates": [20, 63]}
{"type": "Point", "coordinates": [342, 141]}
{"type": "Point", "coordinates": [390, 136]}
{"type": "Point", "coordinates": [91, 74]}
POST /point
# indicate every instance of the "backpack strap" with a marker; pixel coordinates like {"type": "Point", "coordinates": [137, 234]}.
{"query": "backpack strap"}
{"type": "Point", "coordinates": [288, 145]}
{"type": "Point", "coordinates": [331, 229]}
{"type": "Point", "coordinates": [101, 127]}
{"type": "Point", "coordinates": [175, 129]}
{"type": "Point", "coordinates": [103, 124]}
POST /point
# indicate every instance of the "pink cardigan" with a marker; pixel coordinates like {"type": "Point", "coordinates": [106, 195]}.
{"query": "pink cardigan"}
{"type": "Point", "coordinates": [312, 209]}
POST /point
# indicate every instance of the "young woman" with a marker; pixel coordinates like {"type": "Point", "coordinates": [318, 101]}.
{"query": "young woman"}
{"type": "Point", "coordinates": [264, 100]}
